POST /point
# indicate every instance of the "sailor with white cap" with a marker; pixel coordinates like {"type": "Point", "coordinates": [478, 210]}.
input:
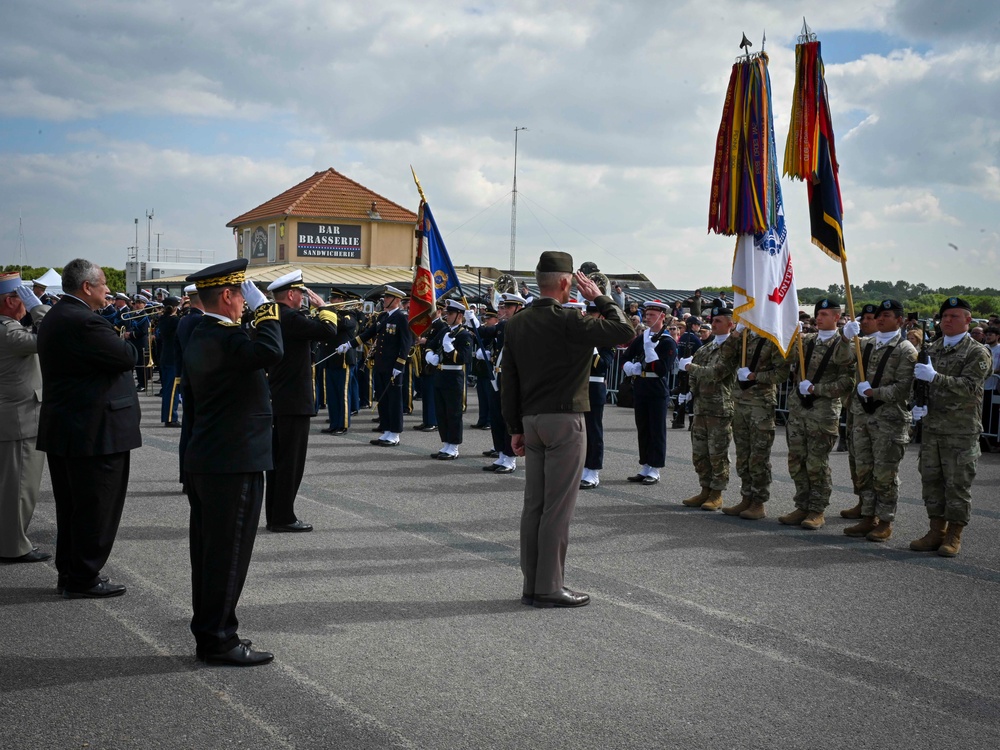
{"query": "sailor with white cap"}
{"type": "Point", "coordinates": [392, 342]}
{"type": "Point", "coordinates": [449, 353]}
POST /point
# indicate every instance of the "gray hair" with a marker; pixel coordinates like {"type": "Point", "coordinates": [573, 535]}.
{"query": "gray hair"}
{"type": "Point", "coordinates": [550, 279]}
{"type": "Point", "coordinates": [78, 271]}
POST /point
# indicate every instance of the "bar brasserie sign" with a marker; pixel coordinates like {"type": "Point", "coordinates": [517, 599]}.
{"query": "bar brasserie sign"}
{"type": "Point", "coordinates": [329, 240]}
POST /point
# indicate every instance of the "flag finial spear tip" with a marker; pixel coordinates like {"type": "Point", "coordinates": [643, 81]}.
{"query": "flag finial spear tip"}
{"type": "Point", "coordinates": [746, 43]}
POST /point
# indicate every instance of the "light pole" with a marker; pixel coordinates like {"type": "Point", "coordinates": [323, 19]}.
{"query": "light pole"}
{"type": "Point", "coordinates": [149, 233]}
{"type": "Point", "coordinates": [513, 204]}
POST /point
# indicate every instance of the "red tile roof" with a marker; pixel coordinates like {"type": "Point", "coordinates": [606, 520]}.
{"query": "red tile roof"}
{"type": "Point", "coordinates": [328, 194]}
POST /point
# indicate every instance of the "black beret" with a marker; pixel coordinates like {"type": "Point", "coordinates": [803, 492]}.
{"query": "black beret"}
{"type": "Point", "coordinates": [869, 309]}
{"type": "Point", "coordinates": [720, 308]}
{"type": "Point", "coordinates": [555, 261]}
{"type": "Point", "coordinates": [890, 304]}
{"type": "Point", "coordinates": [953, 303]}
{"type": "Point", "coordinates": [827, 303]}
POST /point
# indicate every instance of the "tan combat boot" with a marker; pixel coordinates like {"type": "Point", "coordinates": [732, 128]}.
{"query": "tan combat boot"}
{"type": "Point", "coordinates": [930, 541]}
{"type": "Point", "coordinates": [695, 501]}
{"type": "Point", "coordinates": [854, 512]}
{"type": "Point", "coordinates": [952, 540]}
{"type": "Point", "coordinates": [735, 510]}
{"type": "Point", "coordinates": [813, 521]}
{"type": "Point", "coordinates": [881, 533]}
{"type": "Point", "coordinates": [755, 512]}
{"type": "Point", "coordinates": [794, 518]}
{"type": "Point", "coordinates": [714, 501]}
{"type": "Point", "coordinates": [862, 529]}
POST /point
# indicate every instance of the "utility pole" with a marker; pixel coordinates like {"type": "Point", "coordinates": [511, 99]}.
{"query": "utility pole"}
{"type": "Point", "coordinates": [513, 204]}
{"type": "Point", "coordinates": [149, 234]}
{"type": "Point", "coordinates": [158, 235]}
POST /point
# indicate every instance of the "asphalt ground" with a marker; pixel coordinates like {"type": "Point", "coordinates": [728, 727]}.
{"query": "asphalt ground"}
{"type": "Point", "coordinates": [397, 622]}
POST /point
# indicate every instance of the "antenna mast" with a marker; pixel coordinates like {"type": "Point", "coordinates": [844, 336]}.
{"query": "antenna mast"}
{"type": "Point", "coordinates": [513, 204]}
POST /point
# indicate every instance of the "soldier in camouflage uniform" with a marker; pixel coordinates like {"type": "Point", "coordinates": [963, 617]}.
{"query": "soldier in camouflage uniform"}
{"type": "Point", "coordinates": [814, 416]}
{"type": "Point", "coordinates": [712, 376]}
{"type": "Point", "coordinates": [881, 419]}
{"type": "Point", "coordinates": [753, 420]}
{"type": "Point", "coordinates": [956, 370]}
{"type": "Point", "coordinates": [867, 322]}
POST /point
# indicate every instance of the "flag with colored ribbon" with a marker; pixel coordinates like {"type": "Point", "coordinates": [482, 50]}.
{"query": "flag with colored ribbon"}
{"type": "Point", "coordinates": [746, 201]}
{"type": "Point", "coordinates": [422, 297]}
{"type": "Point", "coordinates": [810, 151]}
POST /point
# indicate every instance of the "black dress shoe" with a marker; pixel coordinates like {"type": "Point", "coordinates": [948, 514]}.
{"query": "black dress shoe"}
{"type": "Point", "coordinates": [429, 428]}
{"type": "Point", "coordinates": [171, 424]}
{"type": "Point", "coordinates": [339, 431]}
{"type": "Point", "coordinates": [240, 655]}
{"type": "Point", "coordinates": [354, 413]}
{"type": "Point", "coordinates": [504, 470]}
{"type": "Point", "coordinates": [36, 555]}
{"type": "Point", "coordinates": [384, 443]}
{"type": "Point", "coordinates": [418, 426]}
{"type": "Point", "coordinates": [199, 652]}
{"type": "Point", "coordinates": [293, 527]}
{"type": "Point", "coordinates": [446, 456]}
{"type": "Point", "coordinates": [491, 454]}
{"type": "Point", "coordinates": [562, 598]}
{"type": "Point", "coordinates": [585, 485]}
{"type": "Point", "coordinates": [375, 419]}
{"type": "Point", "coordinates": [636, 478]}
{"type": "Point", "coordinates": [650, 480]}
{"type": "Point", "coordinates": [328, 430]}
{"type": "Point", "coordinates": [61, 584]}
{"type": "Point", "coordinates": [527, 599]}
{"type": "Point", "coordinates": [485, 427]}
{"type": "Point", "coordinates": [491, 467]}
{"type": "Point", "coordinates": [102, 590]}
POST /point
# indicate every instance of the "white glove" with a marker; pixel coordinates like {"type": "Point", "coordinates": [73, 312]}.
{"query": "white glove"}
{"type": "Point", "coordinates": [479, 355]}
{"type": "Point", "coordinates": [649, 346]}
{"type": "Point", "coordinates": [919, 412]}
{"type": "Point", "coordinates": [683, 398]}
{"type": "Point", "coordinates": [632, 368]}
{"type": "Point", "coordinates": [740, 327]}
{"type": "Point", "coordinates": [432, 359]}
{"type": "Point", "coordinates": [804, 386]}
{"type": "Point", "coordinates": [924, 372]}
{"type": "Point", "coordinates": [342, 349]}
{"type": "Point", "coordinates": [863, 386]}
{"type": "Point", "coordinates": [254, 297]}
{"type": "Point", "coordinates": [471, 319]}
{"type": "Point", "coordinates": [28, 298]}
{"type": "Point", "coordinates": [851, 329]}
{"type": "Point", "coordinates": [448, 343]}
{"type": "Point", "coordinates": [683, 362]}
{"type": "Point", "coordinates": [743, 374]}
{"type": "Point", "coordinates": [396, 373]}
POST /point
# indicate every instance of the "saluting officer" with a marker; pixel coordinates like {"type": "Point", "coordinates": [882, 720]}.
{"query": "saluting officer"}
{"type": "Point", "coordinates": [956, 371]}
{"type": "Point", "coordinates": [650, 358]}
{"type": "Point", "coordinates": [392, 341]}
{"type": "Point", "coordinates": [292, 400]}
{"type": "Point", "coordinates": [449, 353]}
{"type": "Point", "coordinates": [600, 366]}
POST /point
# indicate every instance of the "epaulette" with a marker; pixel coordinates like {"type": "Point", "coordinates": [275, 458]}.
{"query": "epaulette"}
{"type": "Point", "coordinates": [265, 312]}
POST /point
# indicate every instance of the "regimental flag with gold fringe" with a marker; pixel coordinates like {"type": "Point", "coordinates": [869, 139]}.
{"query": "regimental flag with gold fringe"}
{"type": "Point", "coordinates": [810, 152]}
{"type": "Point", "coordinates": [422, 298]}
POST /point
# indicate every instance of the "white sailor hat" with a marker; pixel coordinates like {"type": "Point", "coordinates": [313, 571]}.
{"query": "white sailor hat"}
{"type": "Point", "coordinates": [9, 282]}
{"type": "Point", "coordinates": [655, 304]}
{"type": "Point", "coordinates": [190, 289]}
{"type": "Point", "coordinates": [510, 297]}
{"type": "Point", "coordinates": [122, 296]}
{"type": "Point", "coordinates": [574, 305]}
{"type": "Point", "coordinates": [141, 298]}
{"type": "Point", "coordinates": [291, 280]}
{"type": "Point", "coordinates": [391, 291]}
{"type": "Point", "coordinates": [453, 305]}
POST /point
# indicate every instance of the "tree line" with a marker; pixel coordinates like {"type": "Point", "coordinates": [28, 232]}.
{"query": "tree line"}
{"type": "Point", "coordinates": [115, 277]}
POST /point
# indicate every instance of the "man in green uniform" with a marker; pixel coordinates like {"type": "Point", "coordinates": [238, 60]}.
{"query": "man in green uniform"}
{"type": "Point", "coordinates": [955, 372]}
{"type": "Point", "coordinates": [814, 416]}
{"type": "Point", "coordinates": [867, 323]}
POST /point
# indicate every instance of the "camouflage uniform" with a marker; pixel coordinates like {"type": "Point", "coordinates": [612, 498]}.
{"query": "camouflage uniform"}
{"type": "Point", "coordinates": [949, 448]}
{"type": "Point", "coordinates": [812, 431]}
{"type": "Point", "coordinates": [711, 379]}
{"type": "Point", "coordinates": [879, 439]}
{"type": "Point", "coordinates": [753, 415]}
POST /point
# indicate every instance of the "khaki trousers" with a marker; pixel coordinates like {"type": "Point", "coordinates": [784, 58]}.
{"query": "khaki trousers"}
{"type": "Point", "coordinates": [555, 447]}
{"type": "Point", "coordinates": [20, 476]}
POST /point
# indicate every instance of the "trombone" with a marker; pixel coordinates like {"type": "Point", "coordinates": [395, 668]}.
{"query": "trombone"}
{"type": "Point", "coordinates": [154, 308]}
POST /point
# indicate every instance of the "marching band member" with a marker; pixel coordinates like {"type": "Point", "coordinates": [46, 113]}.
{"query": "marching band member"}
{"type": "Point", "coordinates": [448, 353]}
{"type": "Point", "coordinates": [505, 463]}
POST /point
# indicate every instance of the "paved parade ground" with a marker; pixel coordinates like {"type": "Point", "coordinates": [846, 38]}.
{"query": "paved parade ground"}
{"type": "Point", "coordinates": [397, 622]}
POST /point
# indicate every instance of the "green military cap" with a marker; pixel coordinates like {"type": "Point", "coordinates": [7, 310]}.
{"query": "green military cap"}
{"type": "Point", "coordinates": [555, 261]}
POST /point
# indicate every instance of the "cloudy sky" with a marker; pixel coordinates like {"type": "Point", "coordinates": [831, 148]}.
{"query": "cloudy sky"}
{"type": "Point", "coordinates": [203, 110]}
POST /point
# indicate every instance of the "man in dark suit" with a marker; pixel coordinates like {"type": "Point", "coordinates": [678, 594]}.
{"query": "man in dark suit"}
{"type": "Point", "coordinates": [88, 423]}
{"type": "Point", "coordinates": [393, 340]}
{"type": "Point", "coordinates": [166, 335]}
{"type": "Point", "coordinates": [293, 402]}
{"type": "Point", "coordinates": [546, 369]}
{"type": "Point", "coordinates": [226, 397]}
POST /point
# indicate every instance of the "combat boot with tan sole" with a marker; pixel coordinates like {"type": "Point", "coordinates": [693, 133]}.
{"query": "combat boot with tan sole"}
{"type": "Point", "coordinates": [696, 501]}
{"type": "Point", "coordinates": [861, 529]}
{"type": "Point", "coordinates": [813, 521]}
{"type": "Point", "coordinates": [952, 543]}
{"type": "Point", "coordinates": [881, 533]}
{"type": "Point", "coordinates": [794, 518]}
{"type": "Point", "coordinates": [735, 510]}
{"type": "Point", "coordinates": [714, 501]}
{"type": "Point", "coordinates": [932, 540]}
{"type": "Point", "coordinates": [854, 512]}
{"type": "Point", "coordinates": [755, 512]}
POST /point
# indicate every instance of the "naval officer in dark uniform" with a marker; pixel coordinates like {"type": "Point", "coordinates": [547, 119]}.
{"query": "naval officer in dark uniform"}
{"type": "Point", "coordinates": [546, 367]}
{"type": "Point", "coordinates": [450, 353]}
{"type": "Point", "coordinates": [600, 366]}
{"type": "Point", "coordinates": [392, 342]}
{"type": "Point", "coordinates": [293, 402]}
{"type": "Point", "coordinates": [227, 398]}
{"type": "Point", "coordinates": [502, 451]}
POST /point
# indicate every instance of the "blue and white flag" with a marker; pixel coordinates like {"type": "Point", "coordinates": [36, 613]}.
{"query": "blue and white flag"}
{"type": "Point", "coordinates": [442, 271]}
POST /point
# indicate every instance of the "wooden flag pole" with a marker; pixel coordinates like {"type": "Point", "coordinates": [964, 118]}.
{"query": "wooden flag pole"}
{"type": "Point", "coordinates": [850, 312]}
{"type": "Point", "coordinates": [802, 355]}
